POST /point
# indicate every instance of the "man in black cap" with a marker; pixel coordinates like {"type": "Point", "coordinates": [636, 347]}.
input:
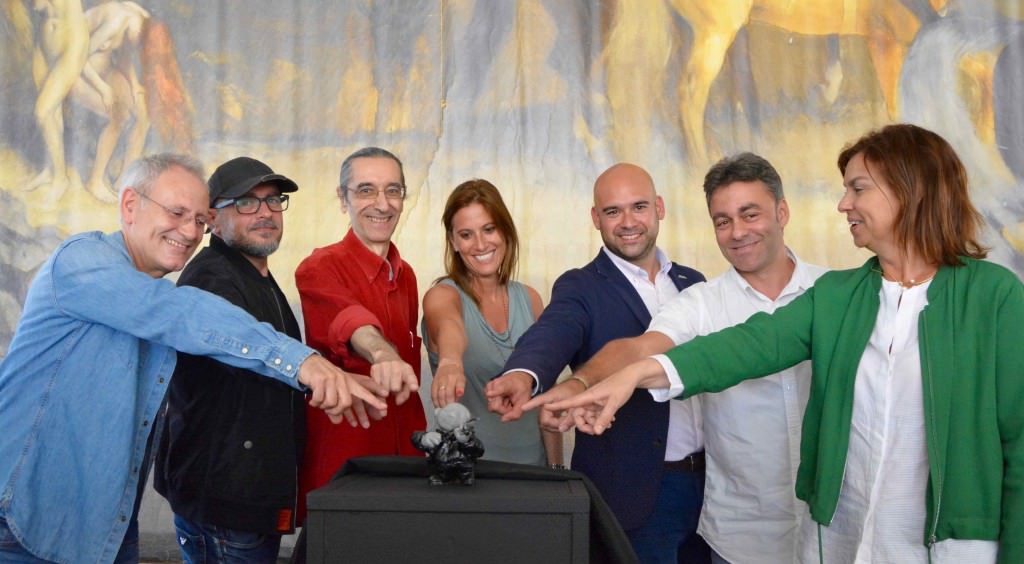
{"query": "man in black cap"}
{"type": "Point", "coordinates": [228, 456]}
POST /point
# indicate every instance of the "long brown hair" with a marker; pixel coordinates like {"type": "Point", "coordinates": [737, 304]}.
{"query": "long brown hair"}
{"type": "Point", "coordinates": [936, 218]}
{"type": "Point", "coordinates": [479, 191]}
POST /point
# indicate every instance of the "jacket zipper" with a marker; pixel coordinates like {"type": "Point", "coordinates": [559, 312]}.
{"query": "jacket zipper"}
{"type": "Point", "coordinates": [295, 472]}
{"type": "Point", "coordinates": [291, 412]}
{"type": "Point", "coordinates": [931, 419]}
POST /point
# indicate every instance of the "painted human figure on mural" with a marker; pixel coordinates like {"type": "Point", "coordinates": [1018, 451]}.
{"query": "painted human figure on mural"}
{"type": "Point", "coordinates": [109, 85]}
{"type": "Point", "coordinates": [90, 58]}
{"type": "Point", "coordinates": [60, 53]}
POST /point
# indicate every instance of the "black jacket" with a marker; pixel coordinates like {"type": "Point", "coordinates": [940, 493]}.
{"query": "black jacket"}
{"type": "Point", "coordinates": [232, 440]}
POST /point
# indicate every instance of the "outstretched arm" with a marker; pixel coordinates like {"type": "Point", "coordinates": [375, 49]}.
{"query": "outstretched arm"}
{"type": "Point", "coordinates": [446, 335]}
{"type": "Point", "coordinates": [762, 345]}
{"type": "Point", "coordinates": [339, 393]}
{"type": "Point", "coordinates": [388, 369]}
{"type": "Point", "coordinates": [87, 276]}
{"type": "Point", "coordinates": [593, 411]}
{"type": "Point", "coordinates": [620, 353]}
{"type": "Point", "coordinates": [544, 350]}
{"type": "Point", "coordinates": [613, 356]}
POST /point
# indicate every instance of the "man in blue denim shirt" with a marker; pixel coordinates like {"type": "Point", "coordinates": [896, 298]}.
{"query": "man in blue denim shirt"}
{"type": "Point", "coordinates": [90, 362]}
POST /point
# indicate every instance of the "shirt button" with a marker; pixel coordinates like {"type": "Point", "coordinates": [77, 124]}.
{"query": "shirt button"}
{"type": "Point", "coordinates": [277, 361]}
{"type": "Point", "coordinates": [245, 350]}
{"type": "Point", "coordinates": [145, 423]}
{"type": "Point", "coordinates": [247, 445]}
{"type": "Point", "coordinates": [288, 368]}
{"type": "Point", "coordinates": [123, 518]}
{"type": "Point", "coordinates": [161, 380]}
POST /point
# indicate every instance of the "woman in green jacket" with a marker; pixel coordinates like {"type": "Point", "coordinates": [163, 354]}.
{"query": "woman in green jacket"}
{"type": "Point", "coordinates": [912, 445]}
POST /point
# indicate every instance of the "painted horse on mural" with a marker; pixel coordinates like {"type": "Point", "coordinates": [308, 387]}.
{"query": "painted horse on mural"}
{"type": "Point", "coordinates": [889, 26]}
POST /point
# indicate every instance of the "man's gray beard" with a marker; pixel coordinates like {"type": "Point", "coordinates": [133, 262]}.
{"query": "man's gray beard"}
{"type": "Point", "coordinates": [261, 250]}
{"type": "Point", "coordinates": [255, 250]}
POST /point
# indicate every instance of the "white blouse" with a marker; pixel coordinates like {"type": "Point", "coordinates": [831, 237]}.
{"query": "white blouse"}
{"type": "Point", "coordinates": [880, 517]}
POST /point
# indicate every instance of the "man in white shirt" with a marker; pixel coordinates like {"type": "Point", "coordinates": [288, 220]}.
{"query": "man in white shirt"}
{"type": "Point", "coordinates": [751, 431]}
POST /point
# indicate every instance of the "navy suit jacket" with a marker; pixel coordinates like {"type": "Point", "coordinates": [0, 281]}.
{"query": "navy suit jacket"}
{"type": "Point", "coordinates": [589, 307]}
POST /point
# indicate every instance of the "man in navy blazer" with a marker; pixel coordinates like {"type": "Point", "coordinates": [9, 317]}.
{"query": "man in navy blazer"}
{"type": "Point", "coordinates": [653, 485]}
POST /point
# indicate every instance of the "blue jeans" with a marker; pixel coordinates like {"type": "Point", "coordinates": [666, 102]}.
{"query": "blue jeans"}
{"type": "Point", "coordinates": [670, 535]}
{"type": "Point", "coordinates": [11, 551]}
{"type": "Point", "coordinates": [208, 544]}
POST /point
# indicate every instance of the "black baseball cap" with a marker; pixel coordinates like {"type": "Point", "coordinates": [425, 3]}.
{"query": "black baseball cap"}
{"type": "Point", "coordinates": [239, 175]}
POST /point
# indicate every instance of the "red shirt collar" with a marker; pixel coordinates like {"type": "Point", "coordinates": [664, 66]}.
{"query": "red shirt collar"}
{"type": "Point", "coordinates": [369, 262]}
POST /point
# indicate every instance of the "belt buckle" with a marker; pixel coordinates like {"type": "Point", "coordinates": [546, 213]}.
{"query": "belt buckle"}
{"type": "Point", "coordinates": [689, 462]}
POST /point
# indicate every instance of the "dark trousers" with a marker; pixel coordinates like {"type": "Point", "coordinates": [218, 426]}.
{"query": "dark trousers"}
{"type": "Point", "coordinates": [670, 535]}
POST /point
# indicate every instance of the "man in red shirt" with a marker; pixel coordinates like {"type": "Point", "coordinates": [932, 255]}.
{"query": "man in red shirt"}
{"type": "Point", "coordinates": [360, 304]}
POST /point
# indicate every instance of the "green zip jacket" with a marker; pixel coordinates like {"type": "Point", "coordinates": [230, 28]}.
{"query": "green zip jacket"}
{"type": "Point", "coordinates": [972, 365]}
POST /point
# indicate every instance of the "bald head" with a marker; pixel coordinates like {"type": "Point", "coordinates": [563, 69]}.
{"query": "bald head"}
{"type": "Point", "coordinates": [619, 176]}
{"type": "Point", "coordinates": [627, 211]}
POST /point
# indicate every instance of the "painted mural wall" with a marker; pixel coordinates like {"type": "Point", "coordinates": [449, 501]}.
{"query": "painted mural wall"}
{"type": "Point", "coordinates": [536, 96]}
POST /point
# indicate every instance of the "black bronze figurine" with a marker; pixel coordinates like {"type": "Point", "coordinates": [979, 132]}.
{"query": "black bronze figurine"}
{"type": "Point", "coordinates": [453, 448]}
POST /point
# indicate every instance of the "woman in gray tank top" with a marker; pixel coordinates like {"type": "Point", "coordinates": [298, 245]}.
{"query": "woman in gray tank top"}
{"type": "Point", "coordinates": [473, 316]}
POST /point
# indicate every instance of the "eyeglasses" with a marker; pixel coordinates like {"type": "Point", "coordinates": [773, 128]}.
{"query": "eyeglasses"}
{"type": "Point", "coordinates": [370, 192]}
{"type": "Point", "coordinates": [180, 214]}
{"type": "Point", "coordinates": [251, 204]}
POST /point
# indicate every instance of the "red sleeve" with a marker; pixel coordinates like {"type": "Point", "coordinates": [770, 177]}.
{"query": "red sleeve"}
{"type": "Point", "coordinates": [350, 318]}
{"type": "Point", "coordinates": [330, 307]}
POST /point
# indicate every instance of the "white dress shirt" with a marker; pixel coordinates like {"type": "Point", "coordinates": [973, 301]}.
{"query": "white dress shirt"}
{"type": "Point", "coordinates": [685, 427]}
{"type": "Point", "coordinates": [752, 430]}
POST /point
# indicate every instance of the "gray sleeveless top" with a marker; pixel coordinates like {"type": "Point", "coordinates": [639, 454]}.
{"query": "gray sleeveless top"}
{"type": "Point", "coordinates": [486, 353]}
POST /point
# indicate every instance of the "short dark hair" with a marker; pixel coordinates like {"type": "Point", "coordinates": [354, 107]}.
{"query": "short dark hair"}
{"type": "Point", "coordinates": [478, 191]}
{"type": "Point", "coordinates": [936, 217]}
{"type": "Point", "coordinates": [365, 152]}
{"type": "Point", "coordinates": [743, 167]}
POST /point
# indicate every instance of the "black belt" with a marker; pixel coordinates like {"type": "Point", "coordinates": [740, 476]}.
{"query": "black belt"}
{"type": "Point", "coordinates": [692, 463]}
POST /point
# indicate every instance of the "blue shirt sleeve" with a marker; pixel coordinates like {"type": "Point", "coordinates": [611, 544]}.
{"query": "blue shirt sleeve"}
{"type": "Point", "coordinates": [91, 283]}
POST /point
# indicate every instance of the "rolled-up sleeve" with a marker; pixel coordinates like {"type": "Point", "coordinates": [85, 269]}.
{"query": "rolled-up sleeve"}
{"type": "Point", "coordinates": [675, 388]}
